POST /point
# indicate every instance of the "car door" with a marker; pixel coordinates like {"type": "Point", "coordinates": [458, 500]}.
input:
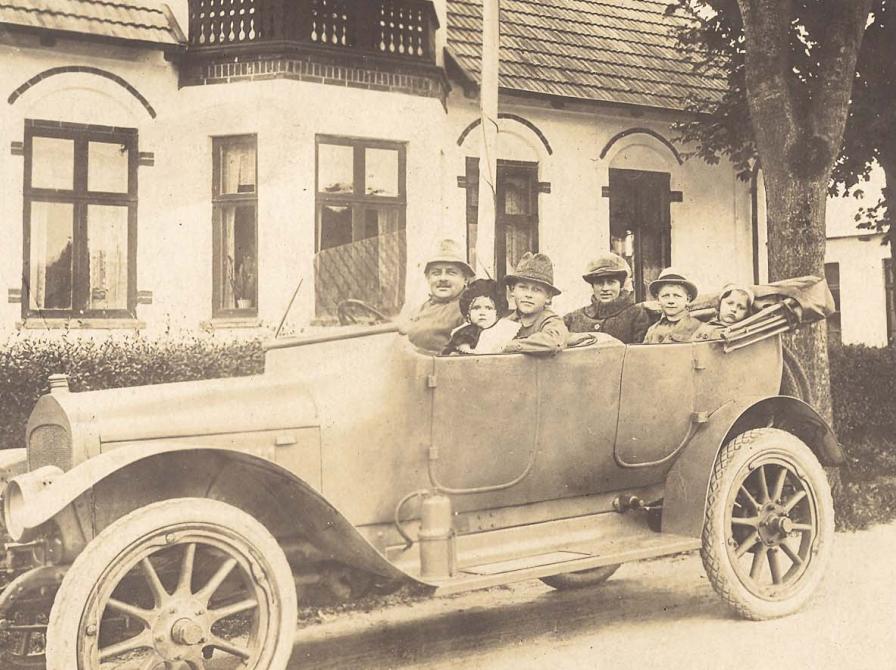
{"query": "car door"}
{"type": "Point", "coordinates": [490, 412]}
{"type": "Point", "coordinates": [656, 403]}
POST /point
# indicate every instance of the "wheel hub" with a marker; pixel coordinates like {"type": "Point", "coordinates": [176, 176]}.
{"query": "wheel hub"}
{"type": "Point", "coordinates": [774, 524]}
{"type": "Point", "coordinates": [187, 632]}
{"type": "Point", "coordinates": [181, 624]}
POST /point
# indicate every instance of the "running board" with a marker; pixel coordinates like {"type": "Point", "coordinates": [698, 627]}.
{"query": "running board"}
{"type": "Point", "coordinates": [507, 555]}
{"type": "Point", "coordinates": [568, 560]}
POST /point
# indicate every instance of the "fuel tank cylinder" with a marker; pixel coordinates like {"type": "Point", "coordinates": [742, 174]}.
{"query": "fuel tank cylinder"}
{"type": "Point", "coordinates": [437, 549]}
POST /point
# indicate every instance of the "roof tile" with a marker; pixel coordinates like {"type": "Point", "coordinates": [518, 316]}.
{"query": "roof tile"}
{"type": "Point", "coordinates": [130, 20]}
{"type": "Point", "coordinates": [621, 51]}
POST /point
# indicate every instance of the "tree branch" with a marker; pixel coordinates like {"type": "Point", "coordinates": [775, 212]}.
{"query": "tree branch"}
{"type": "Point", "coordinates": [838, 51]}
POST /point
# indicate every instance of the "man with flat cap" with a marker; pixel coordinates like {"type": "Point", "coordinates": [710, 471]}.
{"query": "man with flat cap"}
{"type": "Point", "coordinates": [447, 272]}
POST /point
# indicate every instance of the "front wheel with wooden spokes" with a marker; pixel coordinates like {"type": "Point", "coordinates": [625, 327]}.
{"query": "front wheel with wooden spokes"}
{"type": "Point", "coordinates": [769, 524]}
{"type": "Point", "coordinates": [186, 584]}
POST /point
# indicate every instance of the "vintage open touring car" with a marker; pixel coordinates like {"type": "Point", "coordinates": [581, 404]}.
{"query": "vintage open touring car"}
{"type": "Point", "coordinates": [171, 526]}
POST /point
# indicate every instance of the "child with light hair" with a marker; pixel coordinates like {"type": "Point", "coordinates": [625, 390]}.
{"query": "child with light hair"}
{"type": "Point", "coordinates": [735, 303]}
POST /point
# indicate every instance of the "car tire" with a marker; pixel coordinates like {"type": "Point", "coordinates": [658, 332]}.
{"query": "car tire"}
{"type": "Point", "coordinates": [204, 558]}
{"type": "Point", "coordinates": [581, 579]}
{"type": "Point", "coordinates": [769, 524]}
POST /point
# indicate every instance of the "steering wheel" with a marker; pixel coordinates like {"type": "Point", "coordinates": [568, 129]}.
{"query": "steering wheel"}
{"type": "Point", "coordinates": [357, 311]}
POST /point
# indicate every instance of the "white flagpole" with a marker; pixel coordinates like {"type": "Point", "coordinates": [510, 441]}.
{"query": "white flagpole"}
{"type": "Point", "coordinates": [488, 155]}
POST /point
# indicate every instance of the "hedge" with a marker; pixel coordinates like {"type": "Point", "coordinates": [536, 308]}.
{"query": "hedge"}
{"type": "Point", "coordinates": [26, 363]}
{"type": "Point", "coordinates": [863, 391]}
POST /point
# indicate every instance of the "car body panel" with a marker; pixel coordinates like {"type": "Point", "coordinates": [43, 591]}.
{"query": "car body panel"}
{"type": "Point", "coordinates": [375, 413]}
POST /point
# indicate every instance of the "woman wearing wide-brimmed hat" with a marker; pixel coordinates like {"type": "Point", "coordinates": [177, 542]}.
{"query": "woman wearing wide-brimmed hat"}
{"type": "Point", "coordinates": [531, 286]}
{"type": "Point", "coordinates": [612, 310]}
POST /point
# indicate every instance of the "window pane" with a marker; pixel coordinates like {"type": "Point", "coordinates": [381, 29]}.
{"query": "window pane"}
{"type": "Point", "coordinates": [518, 239]}
{"type": "Point", "coordinates": [334, 226]}
{"type": "Point", "coordinates": [237, 258]}
{"type": "Point", "coordinates": [52, 163]}
{"type": "Point", "coordinates": [107, 167]}
{"type": "Point", "coordinates": [381, 166]}
{"type": "Point", "coordinates": [335, 168]}
{"type": "Point", "coordinates": [237, 166]}
{"type": "Point", "coordinates": [370, 268]}
{"type": "Point", "coordinates": [516, 195]}
{"type": "Point", "coordinates": [50, 276]}
{"type": "Point", "coordinates": [107, 245]}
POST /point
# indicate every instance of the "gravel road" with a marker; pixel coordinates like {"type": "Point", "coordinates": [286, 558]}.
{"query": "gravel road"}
{"type": "Point", "coordinates": [659, 614]}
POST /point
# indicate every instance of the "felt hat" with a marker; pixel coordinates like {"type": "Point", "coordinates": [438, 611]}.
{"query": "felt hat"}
{"type": "Point", "coordinates": [608, 265]}
{"type": "Point", "coordinates": [448, 251]}
{"type": "Point", "coordinates": [671, 276]}
{"type": "Point", "coordinates": [534, 267]}
{"type": "Point", "coordinates": [746, 290]}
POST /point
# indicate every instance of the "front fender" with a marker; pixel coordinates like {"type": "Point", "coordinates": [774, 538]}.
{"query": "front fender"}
{"type": "Point", "coordinates": [687, 484]}
{"type": "Point", "coordinates": [114, 483]}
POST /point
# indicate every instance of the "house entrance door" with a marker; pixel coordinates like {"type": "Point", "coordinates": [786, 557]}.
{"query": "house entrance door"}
{"type": "Point", "coordinates": [640, 223]}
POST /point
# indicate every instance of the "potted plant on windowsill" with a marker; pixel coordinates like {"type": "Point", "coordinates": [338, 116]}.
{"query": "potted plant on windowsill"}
{"type": "Point", "coordinates": [242, 281]}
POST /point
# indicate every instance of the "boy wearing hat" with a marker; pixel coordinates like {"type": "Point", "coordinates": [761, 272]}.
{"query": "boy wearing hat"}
{"type": "Point", "coordinates": [674, 293]}
{"type": "Point", "coordinates": [612, 310]}
{"type": "Point", "coordinates": [532, 286]}
{"type": "Point", "coordinates": [734, 305]}
{"type": "Point", "coordinates": [430, 327]}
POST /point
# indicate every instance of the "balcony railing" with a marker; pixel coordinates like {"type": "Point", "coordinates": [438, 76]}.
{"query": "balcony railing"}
{"type": "Point", "coordinates": [396, 28]}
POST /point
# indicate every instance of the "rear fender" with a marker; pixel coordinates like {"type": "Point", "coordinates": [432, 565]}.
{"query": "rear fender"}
{"type": "Point", "coordinates": [687, 483]}
{"type": "Point", "coordinates": [91, 496]}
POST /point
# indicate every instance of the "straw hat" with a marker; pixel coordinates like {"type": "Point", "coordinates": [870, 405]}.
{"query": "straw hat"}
{"type": "Point", "coordinates": [670, 276]}
{"type": "Point", "coordinates": [448, 251]}
{"type": "Point", "coordinates": [534, 267]}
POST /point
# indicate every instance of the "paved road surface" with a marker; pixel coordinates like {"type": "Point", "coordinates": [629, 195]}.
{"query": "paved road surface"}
{"type": "Point", "coordinates": [657, 615]}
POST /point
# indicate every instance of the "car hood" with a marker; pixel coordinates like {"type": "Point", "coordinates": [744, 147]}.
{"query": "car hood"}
{"type": "Point", "coordinates": [218, 406]}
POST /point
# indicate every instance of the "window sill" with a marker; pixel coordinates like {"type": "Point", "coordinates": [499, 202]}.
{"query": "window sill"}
{"type": "Point", "coordinates": [228, 322]}
{"type": "Point", "coordinates": [36, 323]}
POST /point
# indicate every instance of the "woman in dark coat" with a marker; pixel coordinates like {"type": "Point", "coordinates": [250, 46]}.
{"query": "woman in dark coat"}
{"type": "Point", "coordinates": [612, 309]}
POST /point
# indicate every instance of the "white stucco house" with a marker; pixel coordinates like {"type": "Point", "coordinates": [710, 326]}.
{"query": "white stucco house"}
{"type": "Point", "coordinates": [860, 272]}
{"type": "Point", "coordinates": [185, 168]}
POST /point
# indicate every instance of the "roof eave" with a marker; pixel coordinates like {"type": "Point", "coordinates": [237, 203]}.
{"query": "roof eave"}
{"type": "Point", "coordinates": [166, 47]}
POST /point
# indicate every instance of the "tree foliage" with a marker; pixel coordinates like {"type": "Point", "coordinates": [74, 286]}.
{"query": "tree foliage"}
{"type": "Point", "coordinates": [713, 37]}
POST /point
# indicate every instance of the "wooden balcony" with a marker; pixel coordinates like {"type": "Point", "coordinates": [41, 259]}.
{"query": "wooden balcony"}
{"type": "Point", "coordinates": [399, 30]}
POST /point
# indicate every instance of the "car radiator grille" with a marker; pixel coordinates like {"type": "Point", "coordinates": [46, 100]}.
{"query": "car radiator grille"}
{"type": "Point", "coordinates": [49, 445]}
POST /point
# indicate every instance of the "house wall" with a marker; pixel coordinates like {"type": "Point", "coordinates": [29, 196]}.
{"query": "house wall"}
{"type": "Point", "coordinates": [863, 316]}
{"type": "Point", "coordinates": [574, 217]}
{"type": "Point", "coordinates": [175, 212]}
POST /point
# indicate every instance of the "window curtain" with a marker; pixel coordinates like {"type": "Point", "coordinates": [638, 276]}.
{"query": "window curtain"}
{"type": "Point", "coordinates": [50, 280]}
{"type": "Point", "coordinates": [107, 242]}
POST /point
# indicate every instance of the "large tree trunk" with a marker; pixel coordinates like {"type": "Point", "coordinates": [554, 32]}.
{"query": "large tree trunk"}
{"type": "Point", "coordinates": [798, 127]}
{"type": "Point", "coordinates": [796, 246]}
